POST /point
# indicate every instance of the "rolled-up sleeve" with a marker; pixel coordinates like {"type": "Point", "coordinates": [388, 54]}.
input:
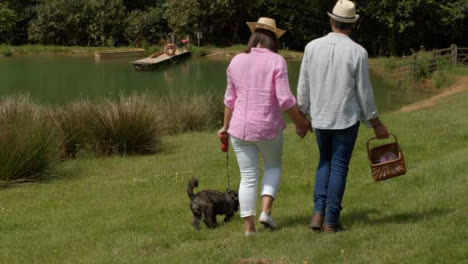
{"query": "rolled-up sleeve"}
{"type": "Point", "coordinates": [303, 89]}
{"type": "Point", "coordinates": [284, 95]}
{"type": "Point", "coordinates": [230, 95]}
{"type": "Point", "coordinates": [365, 95]}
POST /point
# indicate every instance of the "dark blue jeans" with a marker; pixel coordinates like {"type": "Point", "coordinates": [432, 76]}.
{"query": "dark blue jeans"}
{"type": "Point", "coordinates": [336, 148]}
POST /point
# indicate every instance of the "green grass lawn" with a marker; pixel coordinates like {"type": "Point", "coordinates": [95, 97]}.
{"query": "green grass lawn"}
{"type": "Point", "coordinates": [136, 210]}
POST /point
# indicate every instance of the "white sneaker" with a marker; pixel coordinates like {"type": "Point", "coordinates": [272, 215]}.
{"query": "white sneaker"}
{"type": "Point", "coordinates": [251, 233]}
{"type": "Point", "coordinates": [267, 221]}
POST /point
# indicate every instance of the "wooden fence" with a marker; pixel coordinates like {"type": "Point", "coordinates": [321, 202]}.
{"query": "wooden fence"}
{"type": "Point", "coordinates": [430, 60]}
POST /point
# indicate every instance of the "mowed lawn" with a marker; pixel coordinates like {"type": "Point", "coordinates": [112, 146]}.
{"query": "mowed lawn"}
{"type": "Point", "coordinates": [136, 210]}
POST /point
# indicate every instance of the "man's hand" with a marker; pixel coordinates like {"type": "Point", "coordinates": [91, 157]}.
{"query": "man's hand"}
{"type": "Point", "coordinates": [381, 131]}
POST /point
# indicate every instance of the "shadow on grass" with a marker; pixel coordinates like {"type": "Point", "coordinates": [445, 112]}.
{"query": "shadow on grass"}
{"type": "Point", "coordinates": [297, 220]}
{"type": "Point", "coordinates": [58, 174]}
{"type": "Point", "coordinates": [375, 217]}
{"type": "Point", "coordinates": [370, 217]}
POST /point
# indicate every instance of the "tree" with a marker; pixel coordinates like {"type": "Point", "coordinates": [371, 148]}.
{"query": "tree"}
{"type": "Point", "coordinates": [141, 4]}
{"type": "Point", "coordinates": [79, 22]}
{"type": "Point", "coordinates": [149, 25]}
{"type": "Point", "coordinates": [60, 22]}
{"type": "Point", "coordinates": [24, 12]}
{"type": "Point", "coordinates": [219, 20]}
{"type": "Point", "coordinates": [304, 20]}
{"type": "Point", "coordinates": [8, 19]}
{"type": "Point", "coordinates": [106, 22]}
{"type": "Point", "coordinates": [393, 27]}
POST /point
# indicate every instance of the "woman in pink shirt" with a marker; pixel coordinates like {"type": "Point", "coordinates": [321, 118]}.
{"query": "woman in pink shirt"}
{"type": "Point", "coordinates": [257, 91]}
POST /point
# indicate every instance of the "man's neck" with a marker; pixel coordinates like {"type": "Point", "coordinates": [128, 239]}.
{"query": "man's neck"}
{"type": "Point", "coordinates": [346, 32]}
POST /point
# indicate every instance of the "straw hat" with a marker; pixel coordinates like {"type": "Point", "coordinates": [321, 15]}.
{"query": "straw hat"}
{"type": "Point", "coordinates": [344, 11]}
{"type": "Point", "coordinates": [268, 24]}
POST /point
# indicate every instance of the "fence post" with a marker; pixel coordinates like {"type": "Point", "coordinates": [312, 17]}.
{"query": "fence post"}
{"type": "Point", "coordinates": [414, 66]}
{"type": "Point", "coordinates": [453, 52]}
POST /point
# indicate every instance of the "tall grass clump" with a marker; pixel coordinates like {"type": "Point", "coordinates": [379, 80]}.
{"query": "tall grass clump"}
{"type": "Point", "coordinates": [125, 126]}
{"type": "Point", "coordinates": [443, 77]}
{"type": "Point", "coordinates": [28, 143]}
{"type": "Point", "coordinates": [72, 121]}
{"type": "Point", "coordinates": [191, 113]}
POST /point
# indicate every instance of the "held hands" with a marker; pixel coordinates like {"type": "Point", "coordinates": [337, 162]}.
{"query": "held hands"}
{"type": "Point", "coordinates": [302, 127]}
{"type": "Point", "coordinates": [299, 119]}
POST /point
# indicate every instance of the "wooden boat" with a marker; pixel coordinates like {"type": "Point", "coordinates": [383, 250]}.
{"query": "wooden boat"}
{"type": "Point", "coordinates": [160, 59]}
{"type": "Point", "coordinates": [115, 54]}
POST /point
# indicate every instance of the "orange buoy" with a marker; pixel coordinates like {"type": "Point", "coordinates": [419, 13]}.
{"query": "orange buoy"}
{"type": "Point", "coordinates": [170, 49]}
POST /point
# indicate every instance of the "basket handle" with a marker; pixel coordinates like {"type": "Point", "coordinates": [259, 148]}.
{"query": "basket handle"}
{"type": "Point", "coordinates": [369, 141]}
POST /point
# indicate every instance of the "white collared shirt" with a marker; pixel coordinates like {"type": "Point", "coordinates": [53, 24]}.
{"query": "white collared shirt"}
{"type": "Point", "coordinates": [334, 86]}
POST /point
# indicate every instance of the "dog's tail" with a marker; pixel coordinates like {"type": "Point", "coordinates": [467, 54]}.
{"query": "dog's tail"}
{"type": "Point", "coordinates": [193, 183]}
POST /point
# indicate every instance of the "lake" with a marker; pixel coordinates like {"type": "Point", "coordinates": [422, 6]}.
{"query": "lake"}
{"type": "Point", "coordinates": [51, 79]}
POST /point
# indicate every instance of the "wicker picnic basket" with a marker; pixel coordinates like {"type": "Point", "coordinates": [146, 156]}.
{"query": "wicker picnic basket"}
{"type": "Point", "coordinates": [388, 169]}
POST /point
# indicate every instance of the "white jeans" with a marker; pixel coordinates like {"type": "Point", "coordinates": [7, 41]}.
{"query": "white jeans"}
{"type": "Point", "coordinates": [247, 153]}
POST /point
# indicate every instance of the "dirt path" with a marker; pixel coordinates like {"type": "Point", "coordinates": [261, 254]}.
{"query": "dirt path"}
{"type": "Point", "coordinates": [461, 85]}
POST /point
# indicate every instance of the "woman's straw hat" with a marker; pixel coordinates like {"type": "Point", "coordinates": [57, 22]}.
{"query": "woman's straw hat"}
{"type": "Point", "coordinates": [268, 24]}
{"type": "Point", "coordinates": [344, 11]}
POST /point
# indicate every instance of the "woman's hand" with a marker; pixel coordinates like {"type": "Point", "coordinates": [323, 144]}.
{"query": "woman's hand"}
{"type": "Point", "coordinates": [223, 134]}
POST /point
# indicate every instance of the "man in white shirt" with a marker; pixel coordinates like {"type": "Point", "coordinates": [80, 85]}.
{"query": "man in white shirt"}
{"type": "Point", "coordinates": [335, 90]}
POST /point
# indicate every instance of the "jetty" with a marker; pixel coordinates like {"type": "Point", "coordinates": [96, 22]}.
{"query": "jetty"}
{"type": "Point", "coordinates": [116, 54]}
{"type": "Point", "coordinates": [160, 59]}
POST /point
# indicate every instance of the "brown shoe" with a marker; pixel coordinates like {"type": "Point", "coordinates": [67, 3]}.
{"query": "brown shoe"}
{"type": "Point", "coordinates": [333, 228]}
{"type": "Point", "coordinates": [316, 222]}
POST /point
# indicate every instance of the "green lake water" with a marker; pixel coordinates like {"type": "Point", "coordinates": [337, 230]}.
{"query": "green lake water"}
{"type": "Point", "coordinates": [61, 79]}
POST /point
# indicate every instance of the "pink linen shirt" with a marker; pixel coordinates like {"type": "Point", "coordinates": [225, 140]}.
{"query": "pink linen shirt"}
{"type": "Point", "coordinates": [257, 90]}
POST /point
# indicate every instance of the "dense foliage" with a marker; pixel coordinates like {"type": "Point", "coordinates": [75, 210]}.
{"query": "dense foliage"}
{"type": "Point", "coordinates": [387, 27]}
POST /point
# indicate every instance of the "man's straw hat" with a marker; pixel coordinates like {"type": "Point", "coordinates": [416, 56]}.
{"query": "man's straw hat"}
{"type": "Point", "coordinates": [344, 11]}
{"type": "Point", "coordinates": [268, 24]}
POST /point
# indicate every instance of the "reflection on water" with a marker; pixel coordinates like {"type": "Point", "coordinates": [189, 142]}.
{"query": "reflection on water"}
{"type": "Point", "coordinates": [59, 79]}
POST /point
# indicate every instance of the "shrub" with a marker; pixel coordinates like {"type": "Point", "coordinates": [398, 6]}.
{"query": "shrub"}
{"type": "Point", "coordinates": [423, 67]}
{"type": "Point", "coordinates": [390, 64]}
{"type": "Point", "coordinates": [28, 143]}
{"type": "Point", "coordinates": [125, 126]}
{"type": "Point", "coordinates": [443, 77]}
{"type": "Point", "coordinates": [6, 53]}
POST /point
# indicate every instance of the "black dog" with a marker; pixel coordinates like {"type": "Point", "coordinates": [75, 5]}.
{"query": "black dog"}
{"type": "Point", "coordinates": [210, 203]}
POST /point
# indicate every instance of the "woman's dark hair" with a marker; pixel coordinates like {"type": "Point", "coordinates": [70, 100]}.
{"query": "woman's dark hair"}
{"type": "Point", "coordinates": [266, 38]}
